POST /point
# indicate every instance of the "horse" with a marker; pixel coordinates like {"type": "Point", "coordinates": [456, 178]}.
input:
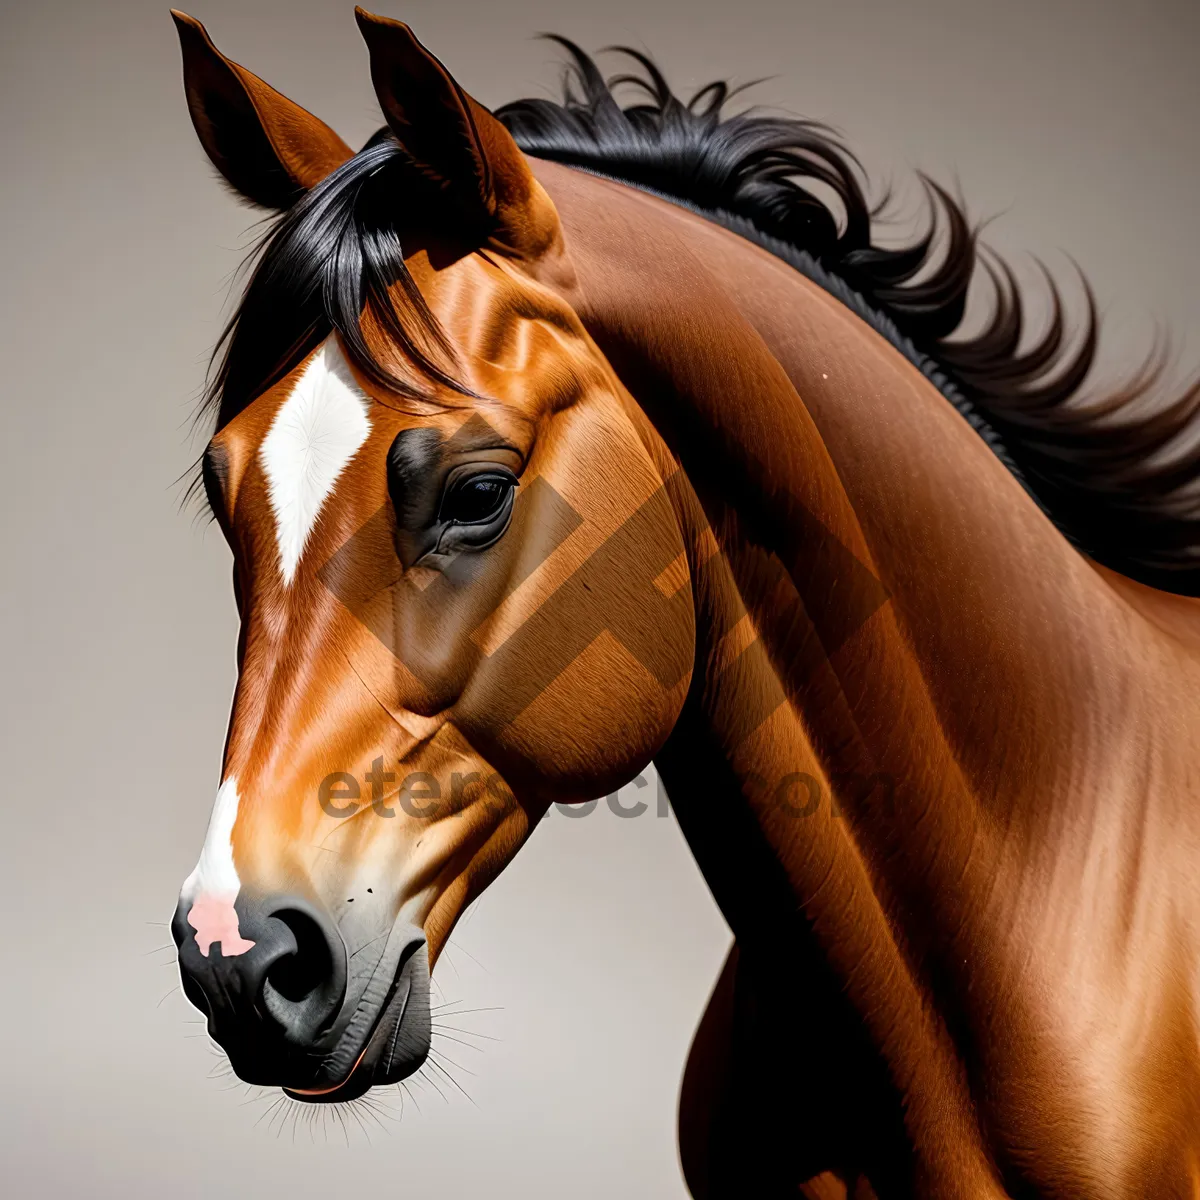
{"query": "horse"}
{"type": "Point", "coordinates": [559, 440]}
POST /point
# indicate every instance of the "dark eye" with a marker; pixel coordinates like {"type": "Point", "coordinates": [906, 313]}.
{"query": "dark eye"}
{"type": "Point", "coordinates": [477, 499]}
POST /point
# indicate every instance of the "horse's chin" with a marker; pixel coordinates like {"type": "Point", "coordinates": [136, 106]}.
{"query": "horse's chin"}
{"type": "Point", "coordinates": [397, 1045]}
{"type": "Point", "coordinates": [359, 1084]}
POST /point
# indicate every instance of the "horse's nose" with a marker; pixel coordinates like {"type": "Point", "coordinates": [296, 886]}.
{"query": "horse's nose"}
{"type": "Point", "coordinates": [270, 973]}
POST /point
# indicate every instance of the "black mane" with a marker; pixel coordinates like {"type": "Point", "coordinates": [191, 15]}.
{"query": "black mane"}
{"type": "Point", "coordinates": [1114, 474]}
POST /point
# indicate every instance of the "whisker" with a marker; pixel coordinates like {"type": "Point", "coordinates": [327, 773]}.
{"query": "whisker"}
{"type": "Point", "coordinates": [463, 950]}
{"type": "Point", "coordinates": [370, 1110]}
{"type": "Point", "coordinates": [446, 1058]}
{"type": "Point", "coordinates": [463, 1012]}
{"type": "Point", "coordinates": [450, 961]}
{"type": "Point", "coordinates": [467, 1032]}
{"type": "Point", "coordinates": [381, 1101]}
{"type": "Point", "coordinates": [266, 1112]}
{"type": "Point", "coordinates": [337, 1113]}
{"type": "Point", "coordinates": [439, 1067]}
{"type": "Point", "coordinates": [429, 1079]}
{"type": "Point", "coordinates": [446, 1037]}
{"type": "Point", "coordinates": [357, 1114]}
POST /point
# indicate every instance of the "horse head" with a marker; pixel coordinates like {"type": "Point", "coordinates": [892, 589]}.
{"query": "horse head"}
{"type": "Point", "coordinates": [460, 574]}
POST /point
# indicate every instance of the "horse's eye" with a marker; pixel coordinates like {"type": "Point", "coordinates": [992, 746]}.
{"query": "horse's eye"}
{"type": "Point", "coordinates": [477, 499]}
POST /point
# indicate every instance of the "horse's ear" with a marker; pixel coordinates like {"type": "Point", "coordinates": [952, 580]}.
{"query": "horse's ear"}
{"type": "Point", "coordinates": [270, 149]}
{"type": "Point", "coordinates": [452, 139]}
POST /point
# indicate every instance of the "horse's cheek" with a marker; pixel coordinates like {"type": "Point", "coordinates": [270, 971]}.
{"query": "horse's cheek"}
{"type": "Point", "coordinates": [596, 724]}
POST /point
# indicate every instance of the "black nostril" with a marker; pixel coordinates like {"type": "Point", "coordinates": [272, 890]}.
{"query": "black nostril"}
{"type": "Point", "coordinates": [309, 967]}
{"type": "Point", "coordinates": [303, 983]}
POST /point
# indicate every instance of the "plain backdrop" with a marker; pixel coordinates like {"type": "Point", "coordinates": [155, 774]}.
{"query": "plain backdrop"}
{"type": "Point", "coordinates": [590, 960]}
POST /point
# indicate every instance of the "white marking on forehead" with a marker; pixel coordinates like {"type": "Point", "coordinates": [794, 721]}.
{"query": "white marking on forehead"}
{"type": "Point", "coordinates": [316, 432]}
{"type": "Point", "coordinates": [213, 885]}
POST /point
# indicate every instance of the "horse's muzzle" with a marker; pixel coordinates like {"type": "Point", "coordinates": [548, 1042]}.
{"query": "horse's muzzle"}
{"type": "Point", "coordinates": [299, 1010]}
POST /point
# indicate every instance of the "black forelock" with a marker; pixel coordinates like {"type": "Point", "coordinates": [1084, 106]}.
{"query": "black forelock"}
{"type": "Point", "coordinates": [331, 258]}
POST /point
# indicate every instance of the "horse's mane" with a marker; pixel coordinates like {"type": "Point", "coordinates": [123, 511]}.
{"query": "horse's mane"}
{"type": "Point", "coordinates": [1114, 474]}
{"type": "Point", "coordinates": [1118, 475]}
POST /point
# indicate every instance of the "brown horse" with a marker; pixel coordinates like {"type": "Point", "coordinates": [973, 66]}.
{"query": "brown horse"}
{"type": "Point", "coordinates": [533, 476]}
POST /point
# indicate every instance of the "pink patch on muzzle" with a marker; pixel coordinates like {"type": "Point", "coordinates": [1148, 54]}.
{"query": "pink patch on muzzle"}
{"type": "Point", "coordinates": [213, 918]}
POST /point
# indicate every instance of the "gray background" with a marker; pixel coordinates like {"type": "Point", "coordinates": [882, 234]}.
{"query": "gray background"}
{"type": "Point", "coordinates": [594, 953]}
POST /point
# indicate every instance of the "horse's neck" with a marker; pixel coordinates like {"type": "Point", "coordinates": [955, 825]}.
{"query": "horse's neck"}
{"type": "Point", "coordinates": [891, 622]}
{"type": "Point", "coordinates": [805, 750]}
{"type": "Point", "coordinates": [964, 635]}
{"type": "Point", "coordinates": [887, 622]}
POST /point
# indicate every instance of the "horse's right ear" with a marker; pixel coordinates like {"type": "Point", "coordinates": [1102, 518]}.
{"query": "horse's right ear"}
{"type": "Point", "coordinates": [453, 142]}
{"type": "Point", "coordinates": [270, 149]}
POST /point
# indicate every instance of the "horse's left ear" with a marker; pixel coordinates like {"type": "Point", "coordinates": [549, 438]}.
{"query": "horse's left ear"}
{"type": "Point", "coordinates": [269, 148]}
{"type": "Point", "coordinates": [454, 141]}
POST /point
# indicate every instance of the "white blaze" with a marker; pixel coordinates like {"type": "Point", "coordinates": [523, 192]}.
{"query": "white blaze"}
{"type": "Point", "coordinates": [315, 434]}
{"type": "Point", "coordinates": [214, 871]}
{"type": "Point", "coordinates": [213, 886]}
